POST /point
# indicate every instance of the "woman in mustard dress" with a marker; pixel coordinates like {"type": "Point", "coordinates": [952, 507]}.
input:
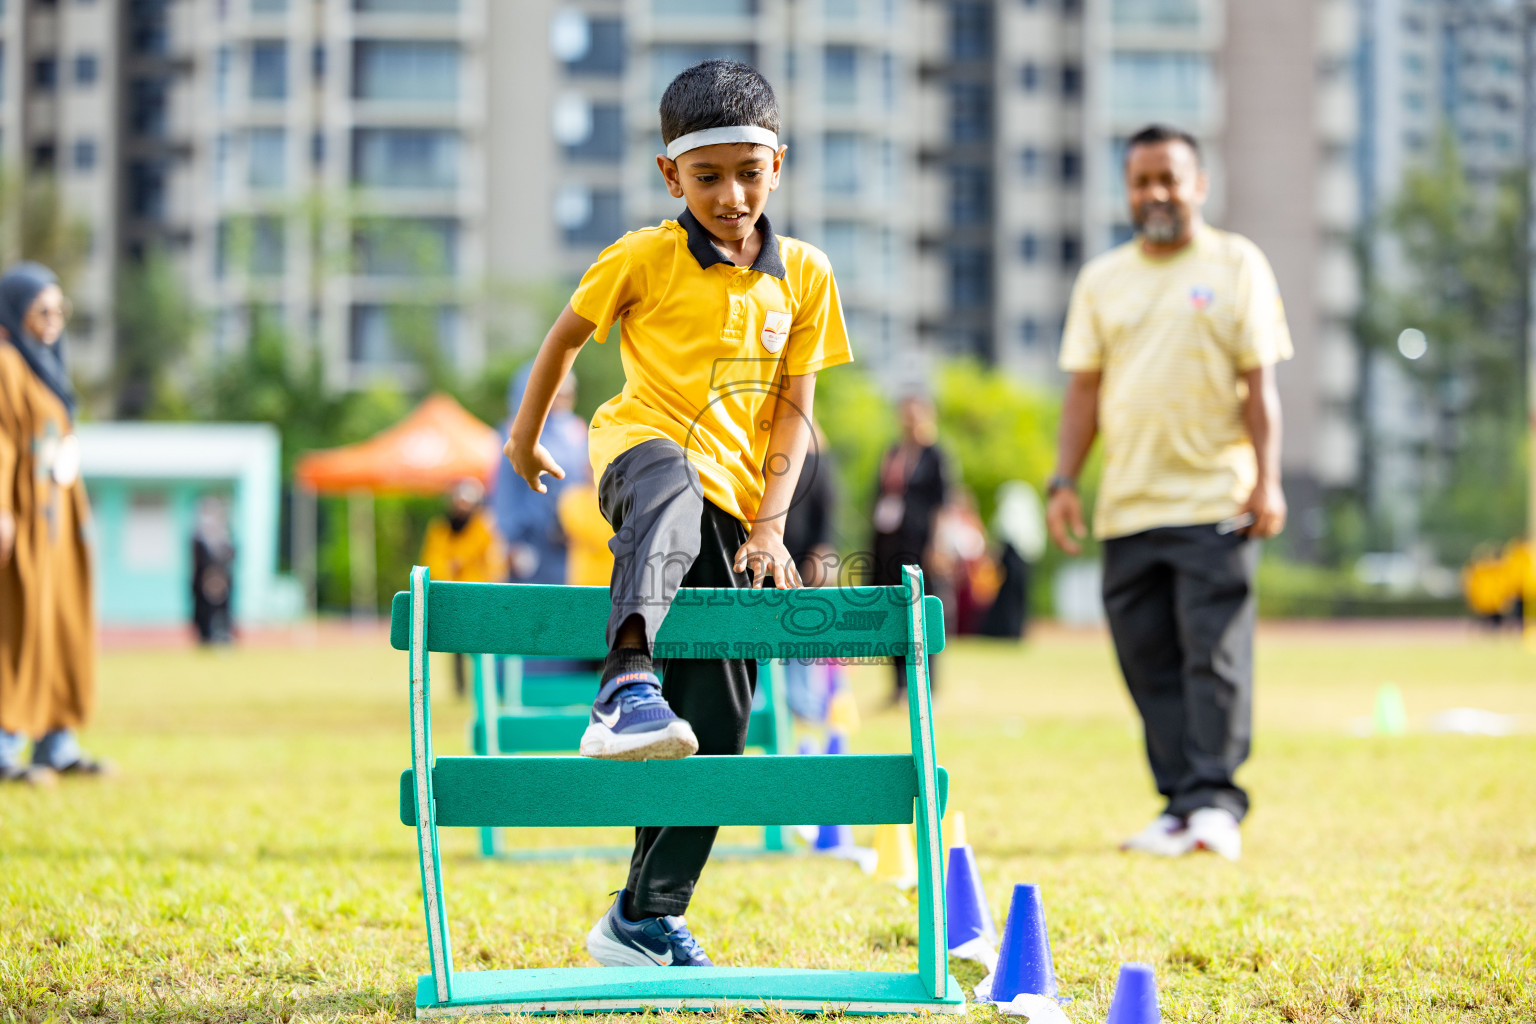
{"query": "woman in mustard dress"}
{"type": "Point", "coordinates": [47, 628]}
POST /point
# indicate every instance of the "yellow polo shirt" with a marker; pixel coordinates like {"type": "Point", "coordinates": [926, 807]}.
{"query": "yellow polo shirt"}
{"type": "Point", "coordinates": [1172, 337]}
{"type": "Point", "coordinates": [706, 346]}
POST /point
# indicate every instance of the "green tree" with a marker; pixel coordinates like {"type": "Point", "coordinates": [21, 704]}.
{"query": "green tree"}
{"type": "Point", "coordinates": [156, 322]}
{"type": "Point", "coordinates": [1464, 256]}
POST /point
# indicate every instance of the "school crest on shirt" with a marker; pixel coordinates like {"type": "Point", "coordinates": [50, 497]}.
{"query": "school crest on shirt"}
{"type": "Point", "coordinates": [775, 330]}
{"type": "Point", "coordinates": [1201, 297]}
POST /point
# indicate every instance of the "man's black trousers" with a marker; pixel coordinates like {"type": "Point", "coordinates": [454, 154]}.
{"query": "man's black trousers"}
{"type": "Point", "coordinates": [666, 536]}
{"type": "Point", "coordinates": [1180, 603]}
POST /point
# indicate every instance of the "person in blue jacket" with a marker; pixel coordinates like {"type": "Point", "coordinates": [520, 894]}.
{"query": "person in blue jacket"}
{"type": "Point", "coordinates": [527, 520]}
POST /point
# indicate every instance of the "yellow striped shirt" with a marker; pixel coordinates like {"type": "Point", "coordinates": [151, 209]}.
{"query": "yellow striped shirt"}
{"type": "Point", "coordinates": [1172, 337]}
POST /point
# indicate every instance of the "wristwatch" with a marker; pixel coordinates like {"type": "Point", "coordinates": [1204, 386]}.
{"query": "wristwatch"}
{"type": "Point", "coordinates": [1059, 483]}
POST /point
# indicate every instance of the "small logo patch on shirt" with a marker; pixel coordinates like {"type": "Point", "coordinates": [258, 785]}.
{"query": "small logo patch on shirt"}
{"type": "Point", "coordinates": [1201, 297]}
{"type": "Point", "coordinates": [775, 330]}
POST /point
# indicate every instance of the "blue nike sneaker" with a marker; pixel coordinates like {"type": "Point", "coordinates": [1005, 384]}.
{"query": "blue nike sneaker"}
{"type": "Point", "coordinates": [651, 942]}
{"type": "Point", "coordinates": [631, 721]}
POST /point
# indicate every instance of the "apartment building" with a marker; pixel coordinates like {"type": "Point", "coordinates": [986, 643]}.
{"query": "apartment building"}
{"type": "Point", "coordinates": [58, 101]}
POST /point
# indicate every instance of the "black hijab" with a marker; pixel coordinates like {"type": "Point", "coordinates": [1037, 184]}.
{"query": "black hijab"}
{"type": "Point", "coordinates": [19, 288]}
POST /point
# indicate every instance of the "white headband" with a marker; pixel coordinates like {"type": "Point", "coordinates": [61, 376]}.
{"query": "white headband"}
{"type": "Point", "coordinates": [715, 136]}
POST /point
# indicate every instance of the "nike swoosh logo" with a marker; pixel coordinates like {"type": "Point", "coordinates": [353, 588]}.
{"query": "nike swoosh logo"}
{"type": "Point", "coordinates": [609, 720]}
{"type": "Point", "coordinates": [661, 961]}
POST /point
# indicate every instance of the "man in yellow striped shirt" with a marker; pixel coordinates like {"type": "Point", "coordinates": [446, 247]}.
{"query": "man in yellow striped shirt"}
{"type": "Point", "coordinates": [1171, 342]}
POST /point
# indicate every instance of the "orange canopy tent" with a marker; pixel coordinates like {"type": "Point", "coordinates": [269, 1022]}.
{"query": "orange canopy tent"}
{"type": "Point", "coordinates": [428, 452]}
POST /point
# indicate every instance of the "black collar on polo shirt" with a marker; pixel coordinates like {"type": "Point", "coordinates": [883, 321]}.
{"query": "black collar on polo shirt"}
{"type": "Point", "coordinates": [708, 253]}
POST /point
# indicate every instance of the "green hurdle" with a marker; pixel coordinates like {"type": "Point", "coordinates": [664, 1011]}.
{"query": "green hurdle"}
{"type": "Point", "coordinates": [534, 792]}
{"type": "Point", "coordinates": [546, 714]}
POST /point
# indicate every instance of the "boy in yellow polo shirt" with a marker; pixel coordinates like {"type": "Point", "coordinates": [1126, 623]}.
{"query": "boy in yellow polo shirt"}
{"type": "Point", "coordinates": [723, 326]}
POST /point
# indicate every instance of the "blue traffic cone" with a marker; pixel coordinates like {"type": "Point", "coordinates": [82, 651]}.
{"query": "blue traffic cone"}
{"type": "Point", "coordinates": [969, 915]}
{"type": "Point", "coordinates": [807, 746]}
{"type": "Point", "coordinates": [834, 837]}
{"type": "Point", "coordinates": [1135, 999]}
{"type": "Point", "coordinates": [1024, 961]}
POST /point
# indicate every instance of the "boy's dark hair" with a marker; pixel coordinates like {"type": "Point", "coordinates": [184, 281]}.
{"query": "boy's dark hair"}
{"type": "Point", "coordinates": [717, 94]}
{"type": "Point", "coordinates": [1153, 134]}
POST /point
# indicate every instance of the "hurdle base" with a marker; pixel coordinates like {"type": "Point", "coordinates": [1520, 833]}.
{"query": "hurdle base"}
{"type": "Point", "coordinates": [635, 989]}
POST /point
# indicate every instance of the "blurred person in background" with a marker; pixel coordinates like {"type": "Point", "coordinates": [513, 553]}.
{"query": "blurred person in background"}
{"type": "Point", "coordinates": [1171, 342]}
{"type": "Point", "coordinates": [960, 557]}
{"type": "Point", "coordinates": [462, 545]}
{"type": "Point", "coordinates": [912, 487]}
{"type": "Point", "coordinates": [47, 625]}
{"type": "Point", "coordinates": [1019, 526]}
{"type": "Point", "coordinates": [213, 573]}
{"type": "Point", "coordinates": [529, 521]}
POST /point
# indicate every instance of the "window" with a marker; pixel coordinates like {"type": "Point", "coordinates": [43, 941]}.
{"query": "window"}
{"type": "Point", "coordinates": [840, 242]}
{"type": "Point", "coordinates": [705, 8]}
{"type": "Point", "coordinates": [840, 163]}
{"type": "Point", "coordinates": [970, 30]}
{"type": "Point", "coordinates": [1071, 250]}
{"type": "Point", "coordinates": [842, 9]}
{"type": "Point", "coordinates": [147, 106]}
{"type": "Point", "coordinates": [412, 158]}
{"type": "Point", "coordinates": [1176, 14]}
{"type": "Point", "coordinates": [84, 154]}
{"type": "Point", "coordinates": [406, 6]}
{"type": "Point", "coordinates": [603, 221]}
{"type": "Point", "coordinates": [1029, 162]}
{"type": "Point", "coordinates": [1071, 166]}
{"type": "Point", "coordinates": [44, 157]}
{"type": "Point", "coordinates": [668, 59]}
{"type": "Point", "coordinates": [317, 148]}
{"type": "Point", "coordinates": [604, 55]}
{"type": "Point", "coordinates": [406, 246]}
{"type": "Point", "coordinates": [408, 70]}
{"type": "Point", "coordinates": [223, 62]}
{"type": "Point", "coordinates": [970, 112]}
{"type": "Point", "coordinates": [1414, 101]}
{"type": "Point", "coordinates": [841, 74]}
{"type": "Point", "coordinates": [888, 81]}
{"type": "Point", "coordinates": [1029, 332]}
{"type": "Point", "coordinates": [317, 62]}
{"type": "Point", "coordinates": [86, 69]}
{"type": "Point", "coordinates": [1071, 81]}
{"type": "Point", "coordinates": [269, 70]}
{"type": "Point", "coordinates": [605, 140]}
{"type": "Point", "coordinates": [267, 158]}
{"type": "Point", "coordinates": [970, 278]}
{"type": "Point", "coordinates": [1168, 86]}
{"type": "Point", "coordinates": [1029, 76]}
{"type": "Point", "coordinates": [45, 73]}
{"type": "Point", "coordinates": [386, 335]}
{"type": "Point", "coordinates": [1029, 247]}
{"type": "Point", "coordinates": [970, 195]}
{"type": "Point", "coordinates": [252, 245]}
{"type": "Point", "coordinates": [146, 189]}
{"type": "Point", "coordinates": [269, 6]}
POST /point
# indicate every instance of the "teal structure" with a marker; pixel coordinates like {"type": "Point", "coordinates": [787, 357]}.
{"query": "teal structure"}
{"type": "Point", "coordinates": [537, 792]}
{"type": "Point", "coordinates": [548, 713]}
{"type": "Point", "coordinates": [145, 482]}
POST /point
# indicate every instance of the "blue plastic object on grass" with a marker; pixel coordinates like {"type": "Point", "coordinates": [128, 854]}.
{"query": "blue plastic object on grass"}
{"type": "Point", "coordinates": [837, 743]}
{"type": "Point", "coordinates": [1135, 1000]}
{"type": "Point", "coordinates": [1024, 961]}
{"type": "Point", "coordinates": [970, 917]}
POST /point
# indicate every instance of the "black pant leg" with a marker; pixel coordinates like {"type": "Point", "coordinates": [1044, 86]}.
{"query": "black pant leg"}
{"type": "Point", "coordinates": [715, 697]}
{"type": "Point", "coordinates": [652, 498]}
{"type": "Point", "coordinates": [1217, 605]}
{"type": "Point", "coordinates": [1139, 604]}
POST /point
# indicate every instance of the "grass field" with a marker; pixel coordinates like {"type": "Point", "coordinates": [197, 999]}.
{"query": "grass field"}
{"type": "Point", "coordinates": [248, 863]}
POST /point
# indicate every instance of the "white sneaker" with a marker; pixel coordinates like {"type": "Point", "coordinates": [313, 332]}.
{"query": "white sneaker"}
{"type": "Point", "coordinates": [1166, 837]}
{"type": "Point", "coordinates": [1216, 830]}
